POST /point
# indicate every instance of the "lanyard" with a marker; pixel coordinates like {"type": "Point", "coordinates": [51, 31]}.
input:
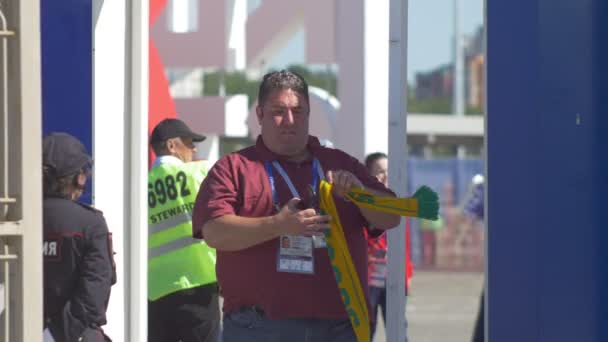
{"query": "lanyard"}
{"type": "Point", "coordinates": [317, 175]}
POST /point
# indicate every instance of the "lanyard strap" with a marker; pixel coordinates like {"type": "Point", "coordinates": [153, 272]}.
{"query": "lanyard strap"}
{"type": "Point", "coordinates": [317, 175]}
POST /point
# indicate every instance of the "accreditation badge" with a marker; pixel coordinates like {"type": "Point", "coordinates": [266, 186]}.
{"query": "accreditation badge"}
{"type": "Point", "coordinates": [319, 242]}
{"type": "Point", "coordinates": [296, 255]}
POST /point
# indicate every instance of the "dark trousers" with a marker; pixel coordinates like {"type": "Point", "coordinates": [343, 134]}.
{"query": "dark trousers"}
{"type": "Point", "coordinates": [191, 315]}
{"type": "Point", "coordinates": [377, 298]}
{"type": "Point", "coordinates": [251, 325]}
{"type": "Point", "coordinates": [478, 333]}
{"type": "Point", "coordinates": [90, 334]}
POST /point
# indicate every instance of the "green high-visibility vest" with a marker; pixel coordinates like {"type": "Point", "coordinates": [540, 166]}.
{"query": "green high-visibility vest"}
{"type": "Point", "coordinates": [176, 261]}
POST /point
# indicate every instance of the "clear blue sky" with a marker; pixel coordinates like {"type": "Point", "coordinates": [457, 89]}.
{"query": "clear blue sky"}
{"type": "Point", "coordinates": [430, 26]}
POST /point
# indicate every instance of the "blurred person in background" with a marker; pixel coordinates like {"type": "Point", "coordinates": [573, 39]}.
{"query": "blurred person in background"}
{"type": "Point", "coordinates": [377, 165]}
{"type": "Point", "coordinates": [79, 267]}
{"type": "Point", "coordinates": [474, 208]}
{"type": "Point", "coordinates": [182, 286]}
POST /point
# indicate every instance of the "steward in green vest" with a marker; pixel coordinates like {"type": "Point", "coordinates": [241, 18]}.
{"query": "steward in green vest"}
{"type": "Point", "coordinates": [176, 261]}
{"type": "Point", "coordinates": [182, 285]}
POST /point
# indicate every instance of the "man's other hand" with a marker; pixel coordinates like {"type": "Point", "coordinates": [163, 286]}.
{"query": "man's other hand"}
{"type": "Point", "coordinates": [293, 221]}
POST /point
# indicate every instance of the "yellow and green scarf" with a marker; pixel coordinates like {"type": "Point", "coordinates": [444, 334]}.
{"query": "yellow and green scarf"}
{"type": "Point", "coordinates": [424, 204]}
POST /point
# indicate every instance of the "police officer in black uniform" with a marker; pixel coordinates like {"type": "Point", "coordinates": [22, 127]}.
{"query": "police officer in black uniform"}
{"type": "Point", "coordinates": [79, 266]}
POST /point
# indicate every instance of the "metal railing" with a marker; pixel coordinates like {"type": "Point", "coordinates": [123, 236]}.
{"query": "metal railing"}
{"type": "Point", "coordinates": [7, 257]}
{"type": "Point", "coordinates": [20, 172]}
{"type": "Point", "coordinates": [5, 198]}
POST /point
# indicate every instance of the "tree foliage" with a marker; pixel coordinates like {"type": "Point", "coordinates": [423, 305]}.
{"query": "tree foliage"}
{"type": "Point", "coordinates": [237, 82]}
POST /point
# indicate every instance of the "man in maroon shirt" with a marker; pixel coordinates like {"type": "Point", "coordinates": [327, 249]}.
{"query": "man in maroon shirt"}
{"type": "Point", "coordinates": [253, 198]}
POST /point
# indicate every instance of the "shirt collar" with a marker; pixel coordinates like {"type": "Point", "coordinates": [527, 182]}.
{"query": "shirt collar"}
{"type": "Point", "coordinates": [266, 154]}
{"type": "Point", "coordinates": [166, 159]}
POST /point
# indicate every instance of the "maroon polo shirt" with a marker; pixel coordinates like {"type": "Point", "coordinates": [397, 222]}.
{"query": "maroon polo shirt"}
{"type": "Point", "coordinates": [238, 185]}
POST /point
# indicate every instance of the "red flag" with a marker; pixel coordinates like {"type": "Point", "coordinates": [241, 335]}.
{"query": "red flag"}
{"type": "Point", "coordinates": [160, 102]}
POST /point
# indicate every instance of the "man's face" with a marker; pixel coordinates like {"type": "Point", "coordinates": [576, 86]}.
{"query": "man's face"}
{"type": "Point", "coordinates": [182, 148]}
{"type": "Point", "coordinates": [379, 169]}
{"type": "Point", "coordinates": [284, 120]}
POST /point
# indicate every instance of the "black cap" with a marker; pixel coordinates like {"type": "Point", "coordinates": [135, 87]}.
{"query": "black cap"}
{"type": "Point", "coordinates": [64, 154]}
{"type": "Point", "coordinates": [173, 128]}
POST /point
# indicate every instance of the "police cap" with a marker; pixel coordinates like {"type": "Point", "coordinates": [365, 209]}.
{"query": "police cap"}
{"type": "Point", "coordinates": [64, 154]}
{"type": "Point", "coordinates": [173, 128]}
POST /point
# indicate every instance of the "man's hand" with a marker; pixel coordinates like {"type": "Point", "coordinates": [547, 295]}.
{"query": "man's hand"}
{"type": "Point", "coordinates": [292, 221]}
{"type": "Point", "coordinates": [342, 182]}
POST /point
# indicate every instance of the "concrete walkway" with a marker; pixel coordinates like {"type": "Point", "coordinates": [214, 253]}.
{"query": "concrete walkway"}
{"type": "Point", "coordinates": [442, 307]}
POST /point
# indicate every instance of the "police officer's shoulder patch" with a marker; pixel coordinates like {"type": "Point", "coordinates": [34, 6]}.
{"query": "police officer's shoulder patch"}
{"type": "Point", "coordinates": [91, 208]}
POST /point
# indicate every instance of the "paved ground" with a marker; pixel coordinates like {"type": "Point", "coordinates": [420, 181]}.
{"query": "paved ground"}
{"type": "Point", "coordinates": [441, 308]}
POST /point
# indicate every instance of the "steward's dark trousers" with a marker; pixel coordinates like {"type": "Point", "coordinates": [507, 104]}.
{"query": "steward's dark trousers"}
{"type": "Point", "coordinates": [191, 315]}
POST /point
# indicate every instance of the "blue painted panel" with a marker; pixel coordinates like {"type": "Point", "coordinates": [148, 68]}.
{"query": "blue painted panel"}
{"type": "Point", "coordinates": [567, 231]}
{"type": "Point", "coordinates": [513, 174]}
{"type": "Point", "coordinates": [67, 74]}
{"type": "Point", "coordinates": [443, 176]}
{"type": "Point", "coordinates": [600, 174]}
{"type": "Point", "coordinates": [436, 174]}
{"type": "Point", "coordinates": [546, 266]}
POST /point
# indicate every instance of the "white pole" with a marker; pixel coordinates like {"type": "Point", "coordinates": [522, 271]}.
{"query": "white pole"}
{"type": "Point", "coordinates": [120, 154]}
{"type": "Point", "coordinates": [395, 329]}
{"type": "Point", "coordinates": [29, 316]}
{"type": "Point", "coordinates": [375, 76]}
{"type": "Point", "coordinates": [458, 63]}
{"type": "Point", "coordinates": [109, 137]}
{"type": "Point", "coordinates": [458, 98]}
{"type": "Point", "coordinates": [137, 167]}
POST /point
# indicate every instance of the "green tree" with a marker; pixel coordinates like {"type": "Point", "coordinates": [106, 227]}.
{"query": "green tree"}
{"type": "Point", "coordinates": [211, 83]}
{"type": "Point", "coordinates": [324, 79]}
{"type": "Point", "coordinates": [236, 82]}
{"type": "Point", "coordinates": [435, 105]}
